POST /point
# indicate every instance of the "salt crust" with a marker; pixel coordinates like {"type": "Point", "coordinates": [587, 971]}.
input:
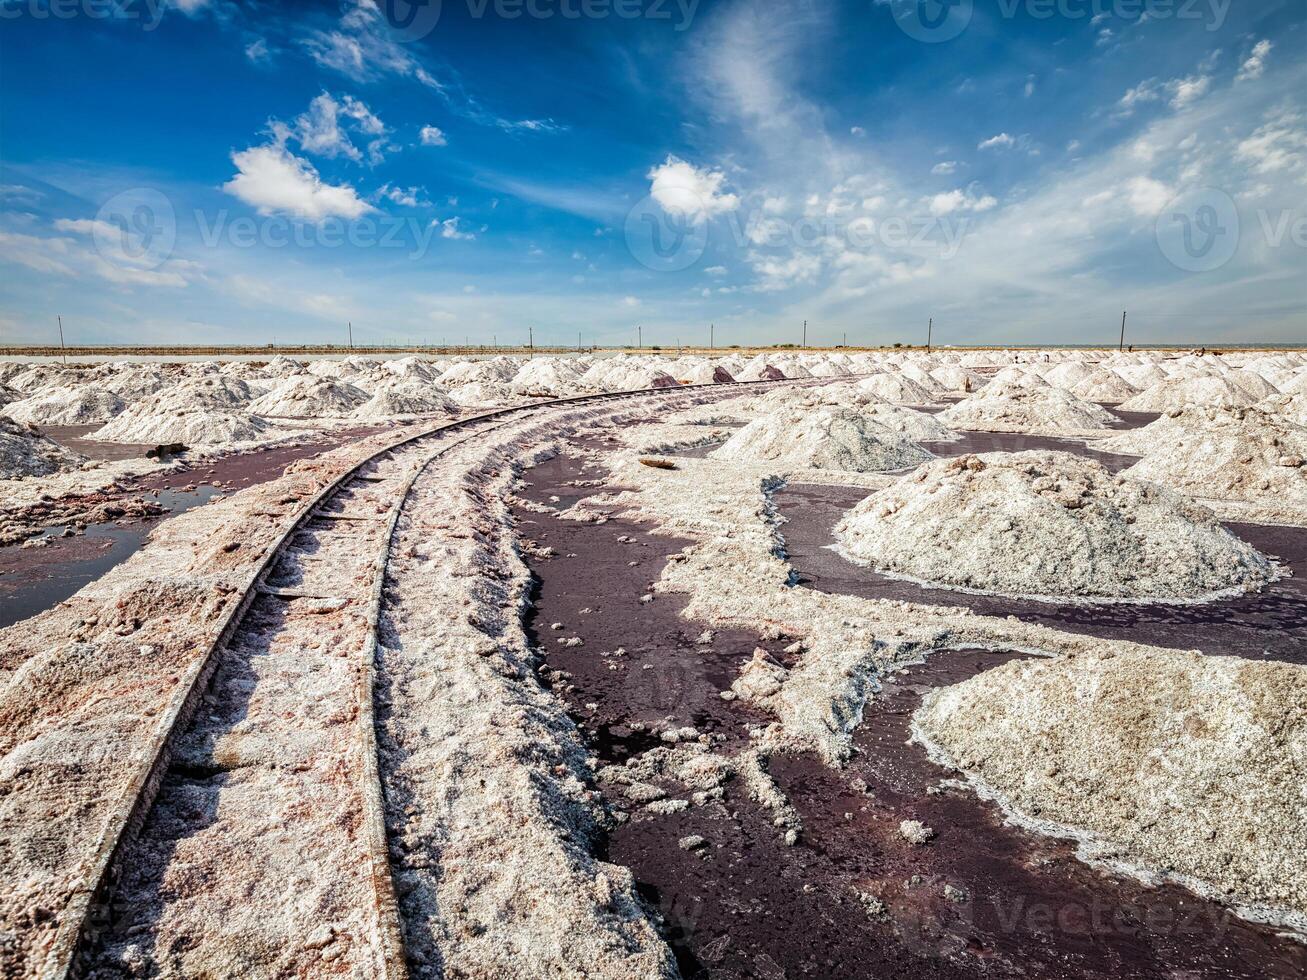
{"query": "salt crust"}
{"type": "Point", "coordinates": [24, 452]}
{"type": "Point", "coordinates": [1168, 764]}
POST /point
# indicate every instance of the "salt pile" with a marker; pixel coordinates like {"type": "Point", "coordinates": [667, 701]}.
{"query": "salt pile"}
{"type": "Point", "coordinates": [896, 388]}
{"type": "Point", "coordinates": [1292, 407]}
{"type": "Point", "coordinates": [495, 369]}
{"type": "Point", "coordinates": [1017, 408]}
{"type": "Point", "coordinates": [705, 373]}
{"type": "Point", "coordinates": [214, 391]}
{"type": "Point", "coordinates": [1048, 526]}
{"type": "Point", "coordinates": [1177, 392]}
{"type": "Point", "coordinates": [144, 424]}
{"type": "Point", "coordinates": [546, 376]}
{"type": "Point", "coordinates": [480, 394]}
{"type": "Point", "coordinates": [66, 406]}
{"type": "Point", "coordinates": [25, 452]}
{"type": "Point", "coordinates": [1104, 385]}
{"type": "Point", "coordinates": [1068, 374]}
{"type": "Point", "coordinates": [917, 426]}
{"type": "Point", "coordinates": [957, 379]}
{"type": "Point", "coordinates": [308, 396]}
{"type": "Point", "coordinates": [136, 381]}
{"type": "Point", "coordinates": [1227, 452]}
{"type": "Point", "coordinates": [1170, 762]}
{"type": "Point", "coordinates": [824, 439]}
{"type": "Point", "coordinates": [8, 394]}
{"type": "Point", "coordinates": [406, 398]}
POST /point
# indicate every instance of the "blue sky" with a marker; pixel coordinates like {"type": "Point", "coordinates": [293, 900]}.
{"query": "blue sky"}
{"type": "Point", "coordinates": [217, 171]}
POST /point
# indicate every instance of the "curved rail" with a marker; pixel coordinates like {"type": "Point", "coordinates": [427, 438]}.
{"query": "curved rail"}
{"type": "Point", "coordinates": [86, 906]}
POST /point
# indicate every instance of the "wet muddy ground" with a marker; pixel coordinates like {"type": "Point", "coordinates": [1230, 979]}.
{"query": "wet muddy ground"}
{"type": "Point", "coordinates": [852, 898]}
{"type": "Point", "coordinates": [1269, 624]}
{"type": "Point", "coordinates": [35, 579]}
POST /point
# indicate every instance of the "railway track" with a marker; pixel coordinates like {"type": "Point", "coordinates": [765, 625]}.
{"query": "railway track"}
{"type": "Point", "coordinates": [259, 710]}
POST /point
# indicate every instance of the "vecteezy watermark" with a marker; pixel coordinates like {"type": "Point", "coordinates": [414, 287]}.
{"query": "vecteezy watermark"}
{"type": "Point", "coordinates": [386, 231]}
{"type": "Point", "coordinates": [412, 20]}
{"type": "Point", "coordinates": [136, 228]}
{"type": "Point", "coordinates": [1199, 230]}
{"type": "Point", "coordinates": [931, 21]}
{"type": "Point", "coordinates": [148, 12]}
{"type": "Point", "coordinates": [936, 21]}
{"type": "Point", "coordinates": [663, 241]}
{"type": "Point", "coordinates": [670, 241]}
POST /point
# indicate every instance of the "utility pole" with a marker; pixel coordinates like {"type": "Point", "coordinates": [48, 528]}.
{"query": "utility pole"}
{"type": "Point", "coordinates": [846, 338]}
{"type": "Point", "coordinates": [62, 349]}
{"type": "Point", "coordinates": [531, 340]}
{"type": "Point", "coordinates": [711, 343]}
{"type": "Point", "coordinates": [930, 329]}
{"type": "Point", "coordinates": [351, 334]}
{"type": "Point", "coordinates": [639, 337]}
{"type": "Point", "coordinates": [805, 334]}
{"type": "Point", "coordinates": [1122, 345]}
{"type": "Point", "coordinates": [578, 341]}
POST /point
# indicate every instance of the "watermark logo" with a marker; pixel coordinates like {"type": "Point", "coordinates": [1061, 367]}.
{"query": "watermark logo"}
{"type": "Point", "coordinates": [136, 228]}
{"type": "Point", "coordinates": [1199, 230]}
{"type": "Point", "coordinates": [931, 21]}
{"type": "Point", "coordinates": [410, 20]}
{"type": "Point", "coordinates": [665, 241]}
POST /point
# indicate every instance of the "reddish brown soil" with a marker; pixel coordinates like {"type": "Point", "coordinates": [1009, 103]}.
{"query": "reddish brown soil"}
{"type": "Point", "coordinates": [747, 905]}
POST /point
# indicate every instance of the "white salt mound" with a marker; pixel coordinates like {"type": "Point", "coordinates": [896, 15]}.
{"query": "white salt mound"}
{"type": "Point", "coordinates": [822, 439]}
{"type": "Point", "coordinates": [1180, 391]}
{"type": "Point", "coordinates": [201, 427]}
{"type": "Point", "coordinates": [1104, 385]}
{"type": "Point", "coordinates": [66, 406]}
{"type": "Point", "coordinates": [896, 388]}
{"type": "Point", "coordinates": [1227, 452]}
{"type": "Point", "coordinates": [309, 396]}
{"type": "Point", "coordinates": [25, 452]}
{"type": "Point", "coordinates": [1172, 762]}
{"type": "Point", "coordinates": [1050, 526]}
{"type": "Point", "coordinates": [917, 426]}
{"type": "Point", "coordinates": [218, 391]}
{"type": "Point", "coordinates": [1019, 408]}
{"type": "Point", "coordinates": [407, 398]}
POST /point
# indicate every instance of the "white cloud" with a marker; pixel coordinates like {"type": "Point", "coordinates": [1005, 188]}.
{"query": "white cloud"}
{"type": "Point", "coordinates": [1185, 91]}
{"type": "Point", "coordinates": [409, 197]}
{"type": "Point", "coordinates": [449, 228]}
{"type": "Point", "coordinates": [1278, 146]}
{"type": "Point", "coordinates": [432, 136]}
{"type": "Point", "coordinates": [258, 51]}
{"type": "Point", "coordinates": [1001, 141]}
{"type": "Point", "coordinates": [945, 168]}
{"type": "Point", "coordinates": [1182, 92]}
{"type": "Point", "coordinates": [715, 270]}
{"type": "Point", "coordinates": [630, 302]}
{"type": "Point", "coordinates": [777, 273]}
{"type": "Point", "coordinates": [274, 181]}
{"type": "Point", "coordinates": [954, 201]}
{"type": "Point", "coordinates": [1030, 86]}
{"type": "Point", "coordinates": [321, 130]}
{"type": "Point", "coordinates": [1256, 63]}
{"type": "Point", "coordinates": [101, 259]}
{"type": "Point", "coordinates": [857, 131]}
{"type": "Point", "coordinates": [683, 189]}
{"type": "Point", "coordinates": [1147, 197]}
